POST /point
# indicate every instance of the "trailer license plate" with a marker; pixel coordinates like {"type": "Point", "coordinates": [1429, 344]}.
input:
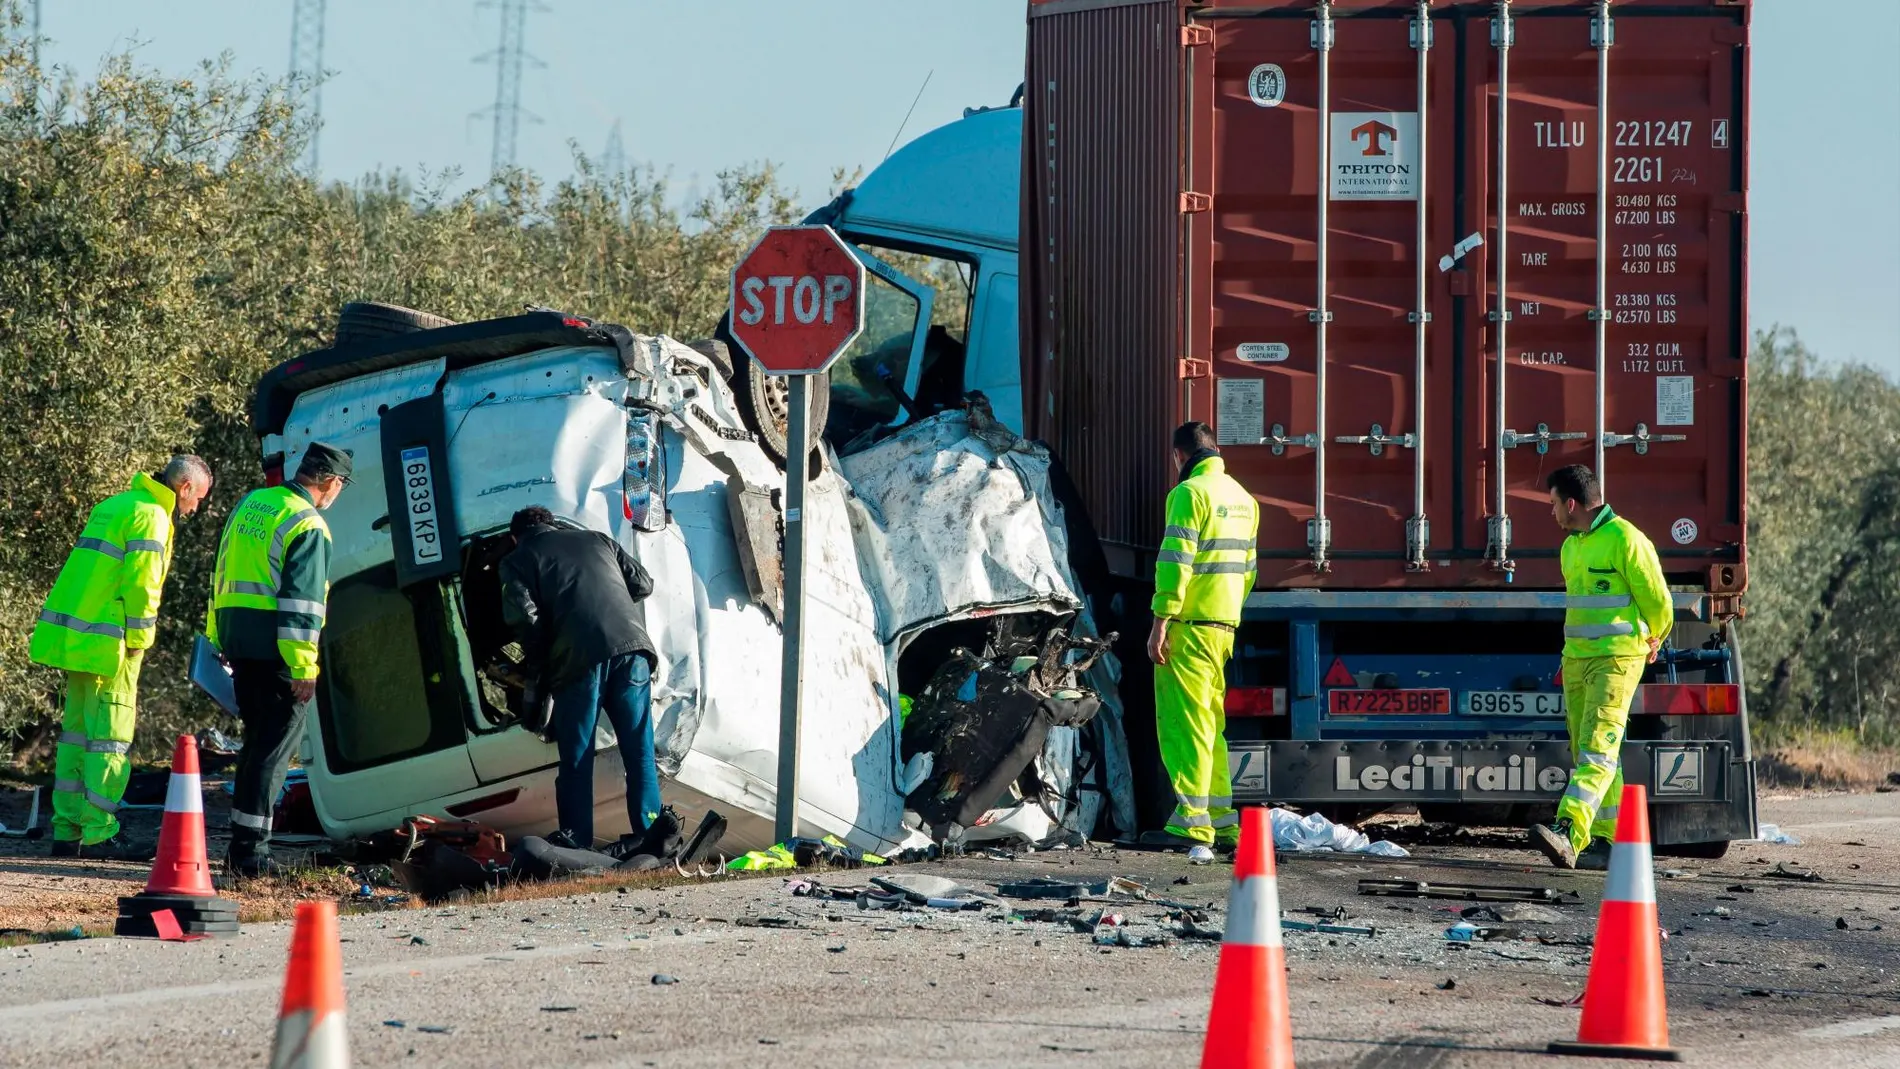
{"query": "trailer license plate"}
{"type": "Point", "coordinates": [1388, 702]}
{"type": "Point", "coordinates": [1512, 703]}
{"type": "Point", "coordinates": [425, 530]}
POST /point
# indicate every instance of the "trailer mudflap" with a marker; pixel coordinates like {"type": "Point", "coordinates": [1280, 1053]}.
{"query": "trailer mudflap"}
{"type": "Point", "coordinates": [1395, 771]}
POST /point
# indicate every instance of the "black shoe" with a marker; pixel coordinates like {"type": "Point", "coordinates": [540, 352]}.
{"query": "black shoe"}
{"type": "Point", "coordinates": [255, 868]}
{"type": "Point", "coordinates": [566, 840]}
{"type": "Point", "coordinates": [1554, 841]}
{"type": "Point", "coordinates": [662, 839]}
{"type": "Point", "coordinates": [64, 848]}
{"type": "Point", "coordinates": [1596, 856]}
{"type": "Point", "coordinates": [119, 848]}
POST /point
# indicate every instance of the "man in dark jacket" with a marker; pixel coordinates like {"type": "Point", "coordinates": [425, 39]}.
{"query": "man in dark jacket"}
{"type": "Point", "coordinates": [573, 598]}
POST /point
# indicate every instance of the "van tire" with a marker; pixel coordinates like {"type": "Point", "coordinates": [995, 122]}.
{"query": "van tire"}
{"type": "Point", "coordinates": [764, 399]}
{"type": "Point", "coordinates": [362, 321]}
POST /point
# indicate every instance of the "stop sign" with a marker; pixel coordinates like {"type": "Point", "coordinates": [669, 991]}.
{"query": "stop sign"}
{"type": "Point", "coordinates": [797, 299]}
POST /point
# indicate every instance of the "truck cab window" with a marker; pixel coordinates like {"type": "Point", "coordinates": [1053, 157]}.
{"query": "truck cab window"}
{"type": "Point", "coordinates": [908, 362]}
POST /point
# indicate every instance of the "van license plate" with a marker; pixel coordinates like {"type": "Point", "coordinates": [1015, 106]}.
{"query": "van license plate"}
{"type": "Point", "coordinates": [425, 527]}
{"type": "Point", "coordinates": [1512, 703]}
{"type": "Point", "coordinates": [1388, 702]}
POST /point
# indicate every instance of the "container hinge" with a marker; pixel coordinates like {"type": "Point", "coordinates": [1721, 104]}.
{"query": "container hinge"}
{"type": "Point", "coordinates": [1418, 317]}
{"type": "Point", "coordinates": [1641, 439]}
{"type": "Point", "coordinates": [1378, 440]}
{"type": "Point", "coordinates": [1599, 315]}
{"type": "Point", "coordinates": [1422, 35]}
{"type": "Point", "coordinates": [1504, 27]}
{"type": "Point", "coordinates": [1542, 438]}
{"type": "Point", "coordinates": [1196, 202]}
{"type": "Point", "coordinates": [1497, 315]}
{"type": "Point", "coordinates": [1190, 368]}
{"type": "Point", "coordinates": [1193, 35]}
{"type": "Point", "coordinates": [1602, 32]}
{"type": "Point", "coordinates": [1277, 438]}
{"type": "Point", "coordinates": [1319, 315]}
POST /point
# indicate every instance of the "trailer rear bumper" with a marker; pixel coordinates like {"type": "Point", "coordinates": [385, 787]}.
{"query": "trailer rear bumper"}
{"type": "Point", "coordinates": [1701, 790]}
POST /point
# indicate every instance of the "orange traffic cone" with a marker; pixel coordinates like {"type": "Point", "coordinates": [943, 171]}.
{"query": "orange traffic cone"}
{"type": "Point", "coordinates": [310, 1029]}
{"type": "Point", "coordinates": [1250, 1026]}
{"type": "Point", "coordinates": [178, 900]}
{"type": "Point", "coordinates": [1624, 1015]}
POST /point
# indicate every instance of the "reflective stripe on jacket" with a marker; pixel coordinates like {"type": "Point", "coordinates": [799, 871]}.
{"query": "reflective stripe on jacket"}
{"type": "Point", "coordinates": [1206, 566]}
{"type": "Point", "coordinates": [271, 583]}
{"type": "Point", "coordinates": [1616, 598]}
{"type": "Point", "coordinates": [105, 600]}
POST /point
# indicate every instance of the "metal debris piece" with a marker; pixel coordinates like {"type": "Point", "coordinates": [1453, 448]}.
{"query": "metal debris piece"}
{"type": "Point", "coordinates": [1449, 984]}
{"type": "Point", "coordinates": [660, 979]}
{"type": "Point", "coordinates": [767, 922]}
{"type": "Point", "coordinates": [1044, 887]}
{"type": "Point", "coordinates": [437, 1029]}
{"type": "Point", "coordinates": [1469, 892]}
{"type": "Point", "coordinates": [1785, 871]}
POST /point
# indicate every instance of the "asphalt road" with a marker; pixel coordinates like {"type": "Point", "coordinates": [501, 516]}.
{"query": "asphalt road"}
{"type": "Point", "coordinates": [763, 975]}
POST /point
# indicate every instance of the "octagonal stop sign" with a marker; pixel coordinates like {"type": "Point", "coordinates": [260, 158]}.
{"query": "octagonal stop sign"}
{"type": "Point", "coordinates": [797, 299]}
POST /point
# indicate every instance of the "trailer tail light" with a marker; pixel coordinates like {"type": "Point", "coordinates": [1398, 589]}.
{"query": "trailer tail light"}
{"type": "Point", "coordinates": [643, 485]}
{"type": "Point", "coordinates": [1692, 699]}
{"type": "Point", "coordinates": [1256, 701]}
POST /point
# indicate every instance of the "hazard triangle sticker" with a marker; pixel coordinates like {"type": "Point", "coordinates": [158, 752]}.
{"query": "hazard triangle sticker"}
{"type": "Point", "coordinates": [1337, 676]}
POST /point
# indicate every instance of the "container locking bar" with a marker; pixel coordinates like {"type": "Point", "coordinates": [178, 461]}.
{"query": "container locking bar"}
{"type": "Point", "coordinates": [1277, 438]}
{"type": "Point", "coordinates": [1378, 440]}
{"type": "Point", "coordinates": [1541, 438]}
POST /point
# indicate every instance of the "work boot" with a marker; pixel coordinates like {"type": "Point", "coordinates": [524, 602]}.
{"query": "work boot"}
{"type": "Point", "coordinates": [255, 868]}
{"type": "Point", "coordinates": [1596, 856]}
{"type": "Point", "coordinates": [662, 839]}
{"type": "Point", "coordinates": [120, 847]}
{"type": "Point", "coordinates": [1554, 841]}
{"type": "Point", "coordinates": [64, 848]}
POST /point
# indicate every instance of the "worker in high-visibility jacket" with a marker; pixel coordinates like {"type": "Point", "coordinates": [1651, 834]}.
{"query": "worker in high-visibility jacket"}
{"type": "Point", "coordinates": [96, 625]}
{"type": "Point", "coordinates": [1617, 612]}
{"type": "Point", "coordinates": [1203, 574]}
{"type": "Point", "coordinates": [269, 594]}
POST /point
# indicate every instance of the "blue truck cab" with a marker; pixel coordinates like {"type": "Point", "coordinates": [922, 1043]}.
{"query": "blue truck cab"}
{"type": "Point", "coordinates": [1349, 702]}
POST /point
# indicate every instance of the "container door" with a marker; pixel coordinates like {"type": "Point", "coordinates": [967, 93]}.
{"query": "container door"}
{"type": "Point", "coordinates": [1331, 172]}
{"type": "Point", "coordinates": [1612, 295]}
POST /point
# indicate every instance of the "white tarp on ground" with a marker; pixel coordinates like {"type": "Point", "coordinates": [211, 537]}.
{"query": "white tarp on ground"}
{"type": "Point", "coordinates": [954, 518]}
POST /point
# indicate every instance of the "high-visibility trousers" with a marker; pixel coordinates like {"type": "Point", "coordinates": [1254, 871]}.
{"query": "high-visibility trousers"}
{"type": "Point", "coordinates": [1597, 693]}
{"type": "Point", "coordinates": [1191, 720]}
{"type": "Point", "coordinates": [92, 764]}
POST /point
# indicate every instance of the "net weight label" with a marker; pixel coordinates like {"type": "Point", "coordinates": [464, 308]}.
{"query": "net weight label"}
{"type": "Point", "coordinates": [425, 528]}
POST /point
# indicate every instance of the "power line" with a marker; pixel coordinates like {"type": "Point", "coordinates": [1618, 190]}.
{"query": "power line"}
{"type": "Point", "coordinates": [509, 57]}
{"type": "Point", "coordinates": [306, 69]}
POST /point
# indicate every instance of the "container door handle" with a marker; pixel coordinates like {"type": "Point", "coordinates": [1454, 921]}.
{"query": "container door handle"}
{"type": "Point", "coordinates": [1278, 439]}
{"type": "Point", "coordinates": [1378, 440]}
{"type": "Point", "coordinates": [1541, 438]}
{"type": "Point", "coordinates": [1640, 439]}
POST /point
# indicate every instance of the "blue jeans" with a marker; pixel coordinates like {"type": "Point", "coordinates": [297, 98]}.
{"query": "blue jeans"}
{"type": "Point", "coordinates": [622, 687]}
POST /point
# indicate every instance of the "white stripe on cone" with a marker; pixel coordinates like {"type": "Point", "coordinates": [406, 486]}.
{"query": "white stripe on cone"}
{"type": "Point", "coordinates": [183, 795]}
{"type": "Point", "coordinates": [1253, 913]}
{"type": "Point", "coordinates": [1632, 878]}
{"type": "Point", "coordinates": [301, 1045]}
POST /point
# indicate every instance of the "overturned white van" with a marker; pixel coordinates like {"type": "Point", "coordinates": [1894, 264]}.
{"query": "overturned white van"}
{"type": "Point", "coordinates": [921, 543]}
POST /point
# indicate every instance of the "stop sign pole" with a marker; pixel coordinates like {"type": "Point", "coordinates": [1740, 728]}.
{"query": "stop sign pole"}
{"type": "Point", "coordinates": [797, 303]}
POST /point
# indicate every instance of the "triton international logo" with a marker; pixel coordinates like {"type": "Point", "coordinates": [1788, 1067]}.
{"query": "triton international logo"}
{"type": "Point", "coordinates": [1375, 155]}
{"type": "Point", "coordinates": [1377, 138]}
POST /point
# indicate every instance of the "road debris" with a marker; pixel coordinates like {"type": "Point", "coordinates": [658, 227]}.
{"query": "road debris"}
{"type": "Point", "coordinates": [661, 979]}
{"type": "Point", "coordinates": [1469, 892]}
{"type": "Point", "coordinates": [1773, 835]}
{"type": "Point", "coordinates": [1315, 832]}
{"type": "Point", "coordinates": [1785, 871]}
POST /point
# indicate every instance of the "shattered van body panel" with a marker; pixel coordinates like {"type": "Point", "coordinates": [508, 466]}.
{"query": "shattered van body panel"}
{"type": "Point", "coordinates": [549, 428]}
{"type": "Point", "coordinates": [955, 518]}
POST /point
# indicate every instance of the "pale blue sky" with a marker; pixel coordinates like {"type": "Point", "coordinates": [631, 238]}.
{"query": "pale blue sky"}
{"type": "Point", "coordinates": [699, 86]}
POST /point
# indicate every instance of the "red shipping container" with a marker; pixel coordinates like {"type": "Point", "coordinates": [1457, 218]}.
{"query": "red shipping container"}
{"type": "Point", "coordinates": [1301, 245]}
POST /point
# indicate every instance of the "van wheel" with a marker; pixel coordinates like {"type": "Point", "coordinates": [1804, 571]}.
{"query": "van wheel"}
{"type": "Point", "coordinates": [765, 400]}
{"type": "Point", "coordinates": [362, 321]}
{"type": "Point", "coordinates": [1699, 851]}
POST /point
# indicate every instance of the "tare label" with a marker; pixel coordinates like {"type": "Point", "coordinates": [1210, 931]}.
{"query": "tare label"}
{"type": "Point", "coordinates": [425, 527]}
